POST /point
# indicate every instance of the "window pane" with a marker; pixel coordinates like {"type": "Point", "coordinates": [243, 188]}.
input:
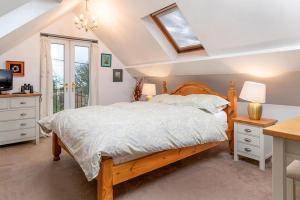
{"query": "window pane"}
{"type": "Point", "coordinates": [81, 76]}
{"type": "Point", "coordinates": [81, 54]}
{"type": "Point", "coordinates": [179, 29]}
{"type": "Point", "coordinates": [58, 67]}
{"type": "Point", "coordinates": [57, 51]}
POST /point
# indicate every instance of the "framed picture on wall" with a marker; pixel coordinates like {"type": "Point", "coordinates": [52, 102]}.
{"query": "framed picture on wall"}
{"type": "Point", "coordinates": [117, 75]}
{"type": "Point", "coordinates": [105, 60]}
{"type": "Point", "coordinates": [17, 67]}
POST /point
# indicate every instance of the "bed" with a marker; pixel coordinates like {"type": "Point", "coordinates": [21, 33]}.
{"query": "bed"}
{"type": "Point", "coordinates": [112, 173]}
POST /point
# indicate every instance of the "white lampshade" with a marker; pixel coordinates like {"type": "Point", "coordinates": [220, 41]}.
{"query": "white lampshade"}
{"type": "Point", "coordinates": [149, 89]}
{"type": "Point", "coordinates": [254, 92]}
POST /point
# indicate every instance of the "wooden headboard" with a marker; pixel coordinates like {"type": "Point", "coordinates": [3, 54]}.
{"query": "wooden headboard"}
{"type": "Point", "coordinates": [199, 88]}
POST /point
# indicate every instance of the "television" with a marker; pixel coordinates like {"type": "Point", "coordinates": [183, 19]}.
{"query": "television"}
{"type": "Point", "coordinates": [6, 80]}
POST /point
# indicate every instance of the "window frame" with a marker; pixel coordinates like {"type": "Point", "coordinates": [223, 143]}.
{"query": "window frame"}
{"type": "Point", "coordinates": [161, 26]}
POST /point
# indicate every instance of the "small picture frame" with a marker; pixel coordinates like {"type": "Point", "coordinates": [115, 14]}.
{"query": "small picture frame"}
{"type": "Point", "coordinates": [105, 60]}
{"type": "Point", "coordinates": [17, 67]}
{"type": "Point", "coordinates": [117, 75]}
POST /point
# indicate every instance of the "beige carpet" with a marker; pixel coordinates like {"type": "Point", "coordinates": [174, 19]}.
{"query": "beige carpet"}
{"type": "Point", "coordinates": [27, 172]}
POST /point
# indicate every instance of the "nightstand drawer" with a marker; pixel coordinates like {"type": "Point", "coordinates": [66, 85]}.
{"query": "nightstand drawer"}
{"type": "Point", "coordinates": [248, 149]}
{"type": "Point", "coordinates": [248, 139]}
{"type": "Point", "coordinates": [247, 129]}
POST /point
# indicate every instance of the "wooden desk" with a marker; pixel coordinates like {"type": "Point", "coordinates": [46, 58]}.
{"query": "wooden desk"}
{"type": "Point", "coordinates": [286, 148]}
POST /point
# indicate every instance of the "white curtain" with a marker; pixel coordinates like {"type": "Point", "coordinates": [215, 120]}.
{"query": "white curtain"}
{"type": "Point", "coordinates": [94, 75]}
{"type": "Point", "coordinates": [46, 83]}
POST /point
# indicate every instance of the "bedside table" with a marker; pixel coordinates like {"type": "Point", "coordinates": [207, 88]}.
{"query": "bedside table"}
{"type": "Point", "coordinates": [249, 140]}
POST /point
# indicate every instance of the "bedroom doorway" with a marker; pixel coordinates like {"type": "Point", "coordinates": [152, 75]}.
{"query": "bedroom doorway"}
{"type": "Point", "coordinates": [71, 73]}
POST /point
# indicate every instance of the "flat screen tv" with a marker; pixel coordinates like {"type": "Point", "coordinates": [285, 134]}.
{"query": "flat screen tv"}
{"type": "Point", "coordinates": [6, 80]}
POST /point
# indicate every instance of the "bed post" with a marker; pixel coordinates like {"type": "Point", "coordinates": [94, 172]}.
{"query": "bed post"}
{"type": "Point", "coordinates": [231, 113]}
{"type": "Point", "coordinates": [105, 180]}
{"type": "Point", "coordinates": [164, 89]}
{"type": "Point", "coordinates": [56, 148]}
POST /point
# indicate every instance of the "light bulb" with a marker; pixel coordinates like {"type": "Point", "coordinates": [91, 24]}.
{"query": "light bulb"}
{"type": "Point", "coordinates": [81, 16]}
{"type": "Point", "coordinates": [76, 19]}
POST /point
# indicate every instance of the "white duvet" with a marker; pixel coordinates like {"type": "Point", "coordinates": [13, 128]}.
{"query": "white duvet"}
{"type": "Point", "coordinates": [126, 131]}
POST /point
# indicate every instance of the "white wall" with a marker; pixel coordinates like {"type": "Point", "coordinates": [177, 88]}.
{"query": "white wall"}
{"type": "Point", "coordinates": [279, 112]}
{"type": "Point", "coordinates": [29, 51]}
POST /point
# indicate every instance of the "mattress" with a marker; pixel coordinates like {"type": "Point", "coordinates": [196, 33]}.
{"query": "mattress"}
{"type": "Point", "coordinates": [221, 118]}
{"type": "Point", "coordinates": [125, 131]}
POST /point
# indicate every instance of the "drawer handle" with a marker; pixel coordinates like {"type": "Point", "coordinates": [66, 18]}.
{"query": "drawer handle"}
{"type": "Point", "coordinates": [23, 134]}
{"type": "Point", "coordinates": [247, 149]}
{"type": "Point", "coordinates": [23, 114]}
{"type": "Point", "coordinates": [22, 102]}
{"type": "Point", "coordinates": [247, 140]}
{"type": "Point", "coordinates": [247, 130]}
{"type": "Point", "coordinates": [23, 124]}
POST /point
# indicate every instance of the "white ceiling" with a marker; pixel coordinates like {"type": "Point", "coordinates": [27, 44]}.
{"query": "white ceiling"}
{"type": "Point", "coordinates": [260, 64]}
{"type": "Point", "coordinates": [223, 26]}
{"type": "Point", "coordinates": [28, 19]}
{"type": "Point", "coordinates": [7, 6]}
{"type": "Point", "coordinates": [123, 30]}
{"type": "Point", "coordinates": [268, 30]}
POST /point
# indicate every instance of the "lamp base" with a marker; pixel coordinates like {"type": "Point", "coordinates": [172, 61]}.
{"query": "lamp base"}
{"type": "Point", "coordinates": [255, 111]}
{"type": "Point", "coordinates": [149, 97]}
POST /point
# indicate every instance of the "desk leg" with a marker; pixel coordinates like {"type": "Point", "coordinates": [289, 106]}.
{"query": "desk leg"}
{"type": "Point", "coordinates": [279, 169]}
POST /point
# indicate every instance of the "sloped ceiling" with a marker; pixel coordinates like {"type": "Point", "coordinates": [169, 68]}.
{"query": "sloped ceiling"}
{"type": "Point", "coordinates": [263, 34]}
{"type": "Point", "coordinates": [46, 12]}
{"type": "Point", "coordinates": [7, 6]}
{"type": "Point", "coordinates": [261, 64]}
{"type": "Point", "coordinates": [123, 30]}
{"type": "Point", "coordinates": [223, 26]}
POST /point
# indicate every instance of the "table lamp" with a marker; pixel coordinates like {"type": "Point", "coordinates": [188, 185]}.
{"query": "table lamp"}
{"type": "Point", "coordinates": [255, 93]}
{"type": "Point", "coordinates": [149, 90]}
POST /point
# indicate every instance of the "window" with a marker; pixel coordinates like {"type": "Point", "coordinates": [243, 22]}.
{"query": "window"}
{"type": "Point", "coordinates": [82, 76]}
{"type": "Point", "coordinates": [70, 63]}
{"type": "Point", "coordinates": [58, 63]}
{"type": "Point", "coordinates": [176, 29]}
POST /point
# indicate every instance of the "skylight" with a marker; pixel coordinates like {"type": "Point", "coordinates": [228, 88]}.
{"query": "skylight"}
{"type": "Point", "coordinates": [176, 29]}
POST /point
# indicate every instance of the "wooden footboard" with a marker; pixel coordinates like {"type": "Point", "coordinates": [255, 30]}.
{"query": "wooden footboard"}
{"type": "Point", "coordinates": [110, 174]}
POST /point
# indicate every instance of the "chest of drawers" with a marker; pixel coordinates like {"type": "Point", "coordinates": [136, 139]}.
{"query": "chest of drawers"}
{"type": "Point", "coordinates": [249, 140]}
{"type": "Point", "coordinates": [18, 118]}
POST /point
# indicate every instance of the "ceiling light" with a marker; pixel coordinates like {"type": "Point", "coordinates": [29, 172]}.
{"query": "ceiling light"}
{"type": "Point", "coordinates": [85, 20]}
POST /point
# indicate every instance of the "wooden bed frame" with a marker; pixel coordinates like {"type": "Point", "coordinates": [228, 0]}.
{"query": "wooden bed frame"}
{"type": "Point", "coordinates": [110, 174]}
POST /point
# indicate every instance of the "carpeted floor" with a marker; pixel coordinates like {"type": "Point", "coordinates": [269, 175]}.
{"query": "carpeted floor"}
{"type": "Point", "coordinates": [27, 172]}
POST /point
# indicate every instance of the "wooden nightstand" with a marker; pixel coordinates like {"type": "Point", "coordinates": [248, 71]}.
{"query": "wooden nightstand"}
{"type": "Point", "coordinates": [249, 140]}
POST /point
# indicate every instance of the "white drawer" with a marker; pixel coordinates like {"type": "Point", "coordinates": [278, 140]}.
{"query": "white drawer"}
{"type": "Point", "coordinates": [20, 102]}
{"type": "Point", "coordinates": [17, 114]}
{"type": "Point", "coordinates": [4, 103]}
{"type": "Point", "coordinates": [17, 134]}
{"type": "Point", "coordinates": [248, 149]}
{"type": "Point", "coordinates": [248, 129]}
{"type": "Point", "coordinates": [248, 139]}
{"type": "Point", "coordinates": [18, 124]}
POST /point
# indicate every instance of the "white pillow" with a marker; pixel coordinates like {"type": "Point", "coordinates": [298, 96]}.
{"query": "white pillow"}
{"type": "Point", "coordinates": [210, 103]}
{"type": "Point", "coordinates": [159, 98]}
{"type": "Point", "coordinates": [168, 99]}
